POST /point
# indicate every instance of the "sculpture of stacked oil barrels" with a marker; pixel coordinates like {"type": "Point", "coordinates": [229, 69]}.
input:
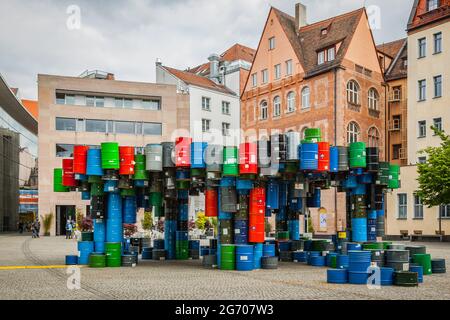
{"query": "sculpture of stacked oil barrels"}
{"type": "Point", "coordinates": [242, 185]}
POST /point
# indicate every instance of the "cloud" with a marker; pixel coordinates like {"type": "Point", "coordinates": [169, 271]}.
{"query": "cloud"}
{"type": "Point", "coordinates": [126, 37]}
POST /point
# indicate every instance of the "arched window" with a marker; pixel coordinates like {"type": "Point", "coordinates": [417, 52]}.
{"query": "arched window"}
{"type": "Point", "coordinates": [263, 110]}
{"type": "Point", "coordinates": [291, 101]}
{"type": "Point", "coordinates": [353, 132]}
{"type": "Point", "coordinates": [374, 137]}
{"type": "Point", "coordinates": [374, 99]}
{"type": "Point", "coordinates": [306, 101]}
{"type": "Point", "coordinates": [302, 134]}
{"type": "Point", "coordinates": [277, 106]}
{"type": "Point", "coordinates": [353, 92]}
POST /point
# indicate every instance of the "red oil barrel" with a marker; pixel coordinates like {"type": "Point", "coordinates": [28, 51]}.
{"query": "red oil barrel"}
{"type": "Point", "coordinates": [211, 203]}
{"type": "Point", "coordinates": [256, 228]}
{"type": "Point", "coordinates": [127, 163]}
{"type": "Point", "coordinates": [80, 159]}
{"type": "Point", "coordinates": [68, 174]}
{"type": "Point", "coordinates": [324, 156]}
{"type": "Point", "coordinates": [258, 202]}
{"type": "Point", "coordinates": [183, 152]}
{"type": "Point", "coordinates": [248, 158]}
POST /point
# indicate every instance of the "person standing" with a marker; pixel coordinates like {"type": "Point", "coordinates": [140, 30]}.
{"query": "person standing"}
{"type": "Point", "coordinates": [69, 229]}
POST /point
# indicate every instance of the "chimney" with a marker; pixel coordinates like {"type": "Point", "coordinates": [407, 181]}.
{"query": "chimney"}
{"type": "Point", "coordinates": [214, 67]}
{"type": "Point", "coordinates": [110, 76]}
{"type": "Point", "coordinates": [300, 16]}
{"type": "Point", "coordinates": [158, 62]}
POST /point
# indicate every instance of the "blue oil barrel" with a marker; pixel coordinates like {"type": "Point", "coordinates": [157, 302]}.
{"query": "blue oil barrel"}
{"type": "Point", "coordinates": [85, 248]}
{"type": "Point", "coordinates": [268, 213]}
{"type": "Point", "coordinates": [359, 261]}
{"type": "Point", "coordinates": [94, 162]}
{"type": "Point", "coordinates": [310, 255]}
{"type": "Point", "coordinates": [194, 244]}
{"type": "Point", "coordinates": [99, 231]}
{"type": "Point", "coordinates": [245, 258]}
{"type": "Point", "coordinates": [355, 277]}
{"type": "Point", "coordinates": [387, 276]}
{"type": "Point", "coordinates": [158, 244]}
{"type": "Point", "coordinates": [85, 195]}
{"type": "Point", "coordinates": [284, 246]}
{"type": "Point", "coordinates": [227, 182]}
{"type": "Point", "coordinates": [99, 246]}
{"type": "Point", "coordinates": [182, 175]}
{"type": "Point", "coordinates": [337, 276]}
{"type": "Point", "coordinates": [294, 229]}
{"type": "Point", "coordinates": [372, 229]}
{"type": "Point", "coordinates": [318, 261]}
{"type": "Point", "coordinates": [300, 256]}
{"type": "Point", "coordinates": [309, 156]}
{"type": "Point", "coordinates": [359, 229]}
{"type": "Point", "coordinates": [365, 178]}
{"type": "Point", "coordinates": [181, 236]}
{"type": "Point", "coordinates": [114, 230]}
{"type": "Point", "coordinates": [71, 260]}
{"type": "Point", "coordinates": [342, 261]}
{"type": "Point", "coordinates": [273, 195]}
{"type": "Point", "coordinates": [140, 183]}
{"type": "Point", "coordinates": [283, 194]}
{"type": "Point", "coordinates": [334, 159]}
{"type": "Point", "coordinates": [360, 190]}
{"type": "Point", "coordinates": [257, 255]}
{"type": "Point", "coordinates": [240, 231]}
{"type": "Point", "coordinates": [281, 214]}
{"type": "Point", "coordinates": [268, 250]}
{"type": "Point", "coordinates": [111, 186]}
{"type": "Point", "coordinates": [183, 212]}
{"type": "Point", "coordinates": [295, 204]}
{"type": "Point", "coordinates": [169, 242]}
{"type": "Point", "coordinates": [353, 246]}
{"type": "Point", "coordinates": [222, 215]}
{"type": "Point", "coordinates": [114, 207]}
{"type": "Point", "coordinates": [198, 155]}
{"type": "Point", "coordinates": [242, 184]}
{"type": "Point", "coordinates": [182, 194]}
{"type": "Point", "coordinates": [314, 201]}
{"type": "Point", "coordinates": [418, 269]}
{"type": "Point", "coordinates": [204, 251]}
{"type": "Point", "coordinates": [350, 183]}
{"type": "Point", "coordinates": [129, 210]}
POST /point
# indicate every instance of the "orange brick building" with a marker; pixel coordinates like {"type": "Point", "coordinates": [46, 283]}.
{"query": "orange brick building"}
{"type": "Point", "coordinates": [325, 75]}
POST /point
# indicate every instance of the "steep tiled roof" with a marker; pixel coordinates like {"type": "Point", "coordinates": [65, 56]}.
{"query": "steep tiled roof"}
{"type": "Point", "coordinates": [398, 69]}
{"type": "Point", "coordinates": [32, 107]}
{"type": "Point", "coordinates": [309, 39]}
{"type": "Point", "coordinates": [196, 80]}
{"type": "Point", "coordinates": [391, 48]}
{"type": "Point", "coordinates": [14, 91]}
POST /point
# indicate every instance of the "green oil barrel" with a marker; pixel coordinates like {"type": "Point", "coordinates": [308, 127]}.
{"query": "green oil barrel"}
{"type": "Point", "coordinates": [357, 156]}
{"type": "Point", "coordinates": [97, 260]}
{"type": "Point", "coordinates": [228, 257]}
{"type": "Point", "coordinates": [394, 176]}
{"type": "Point", "coordinates": [283, 235]}
{"type": "Point", "coordinates": [182, 184]}
{"type": "Point", "coordinates": [158, 212]}
{"type": "Point", "coordinates": [291, 167]}
{"type": "Point", "coordinates": [373, 246]}
{"type": "Point", "coordinates": [383, 174]}
{"type": "Point", "coordinates": [425, 261]}
{"type": "Point", "coordinates": [198, 173]}
{"type": "Point", "coordinates": [139, 168]}
{"type": "Point", "coordinates": [113, 254]}
{"type": "Point", "coordinates": [313, 135]}
{"type": "Point", "coordinates": [230, 162]}
{"type": "Point", "coordinates": [386, 244]}
{"type": "Point", "coordinates": [57, 181]}
{"type": "Point", "coordinates": [156, 199]}
{"type": "Point", "coordinates": [182, 249]}
{"type": "Point", "coordinates": [97, 189]}
{"type": "Point", "coordinates": [319, 245]}
{"type": "Point", "coordinates": [333, 260]}
{"type": "Point", "coordinates": [110, 155]}
{"type": "Point", "coordinates": [95, 179]}
{"type": "Point", "coordinates": [128, 192]}
{"type": "Point", "coordinates": [87, 236]}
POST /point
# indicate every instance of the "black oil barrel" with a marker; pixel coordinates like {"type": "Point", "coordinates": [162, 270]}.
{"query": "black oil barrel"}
{"type": "Point", "coordinates": [170, 210]}
{"type": "Point", "coordinates": [98, 207]}
{"type": "Point", "coordinates": [213, 244]}
{"type": "Point", "coordinates": [209, 261]}
{"type": "Point", "coordinates": [281, 225]}
{"type": "Point", "coordinates": [359, 208]}
{"type": "Point", "coordinates": [159, 254]}
{"type": "Point", "coordinates": [182, 225]}
{"type": "Point", "coordinates": [226, 233]}
{"type": "Point", "coordinates": [194, 254]}
{"type": "Point", "coordinates": [125, 182]}
{"type": "Point", "coordinates": [373, 159]}
{"type": "Point", "coordinates": [417, 249]}
{"type": "Point", "coordinates": [228, 199]}
{"type": "Point", "coordinates": [243, 206]}
{"type": "Point", "coordinates": [380, 225]}
{"type": "Point", "coordinates": [406, 279]}
{"type": "Point", "coordinates": [286, 256]}
{"type": "Point", "coordinates": [129, 260]}
{"type": "Point", "coordinates": [378, 256]}
{"type": "Point", "coordinates": [397, 259]}
{"type": "Point", "coordinates": [214, 158]}
{"type": "Point", "coordinates": [168, 154]}
{"type": "Point", "coordinates": [278, 148]}
{"type": "Point", "coordinates": [297, 245]}
{"type": "Point", "coordinates": [269, 263]}
{"type": "Point", "coordinates": [438, 266]}
{"type": "Point", "coordinates": [264, 155]}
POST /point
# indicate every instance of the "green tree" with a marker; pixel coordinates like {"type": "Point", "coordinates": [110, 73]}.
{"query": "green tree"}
{"type": "Point", "coordinates": [201, 221]}
{"type": "Point", "coordinates": [147, 222]}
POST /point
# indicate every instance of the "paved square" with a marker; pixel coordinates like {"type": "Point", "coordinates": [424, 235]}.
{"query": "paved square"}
{"type": "Point", "coordinates": [184, 279]}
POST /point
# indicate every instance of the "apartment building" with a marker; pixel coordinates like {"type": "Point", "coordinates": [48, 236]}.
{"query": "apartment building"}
{"type": "Point", "coordinates": [428, 101]}
{"type": "Point", "coordinates": [326, 75]}
{"type": "Point", "coordinates": [92, 109]}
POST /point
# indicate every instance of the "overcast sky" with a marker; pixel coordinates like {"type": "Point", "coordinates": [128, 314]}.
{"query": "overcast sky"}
{"type": "Point", "coordinates": [126, 37]}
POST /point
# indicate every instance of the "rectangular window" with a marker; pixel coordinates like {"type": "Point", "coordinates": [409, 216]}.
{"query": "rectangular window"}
{"type": "Point", "coordinates": [206, 125]}
{"type": "Point", "coordinates": [432, 4]}
{"type": "Point", "coordinates": [331, 54]}
{"type": "Point", "coordinates": [397, 122]}
{"type": "Point", "coordinates": [128, 103]}
{"type": "Point", "coordinates": [206, 104]}
{"type": "Point", "coordinates": [438, 42]}
{"type": "Point", "coordinates": [124, 127]}
{"type": "Point", "coordinates": [70, 99]}
{"type": "Point", "coordinates": [437, 86]}
{"type": "Point", "coordinates": [265, 76]}
{"type": "Point", "coordinates": [66, 124]}
{"type": "Point", "coordinates": [254, 79]}
{"type": "Point", "coordinates": [153, 105]}
{"type": "Point", "coordinates": [60, 98]}
{"type": "Point", "coordinates": [152, 129]}
{"type": "Point", "coordinates": [277, 71]}
{"type": "Point", "coordinates": [396, 151]}
{"type": "Point", "coordinates": [289, 67]}
{"type": "Point", "coordinates": [225, 129]}
{"type": "Point", "coordinates": [402, 206]}
{"type": "Point", "coordinates": [225, 107]}
{"type": "Point", "coordinates": [100, 102]}
{"type": "Point", "coordinates": [422, 129]}
{"type": "Point", "coordinates": [418, 207]}
{"type": "Point", "coordinates": [321, 57]}
{"type": "Point", "coordinates": [437, 123]}
{"type": "Point", "coordinates": [118, 102]}
{"type": "Point", "coordinates": [95, 126]}
{"type": "Point", "coordinates": [422, 90]}
{"type": "Point", "coordinates": [90, 101]}
{"type": "Point", "coordinates": [272, 43]}
{"type": "Point", "coordinates": [422, 46]}
{"type": "Point", "coordinates": [444, 211]}
{"type": "Point", "coordinates": [64, 150]}
{"type": "Point", "coordinates": [422, 160]}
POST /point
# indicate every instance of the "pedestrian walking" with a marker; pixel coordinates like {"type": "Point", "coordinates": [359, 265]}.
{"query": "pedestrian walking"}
{"type": "Point", "coordinates": [69, 228]}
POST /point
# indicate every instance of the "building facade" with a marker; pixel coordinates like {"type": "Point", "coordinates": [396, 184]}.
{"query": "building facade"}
{"type": "Point", "coordinates": [324, 75]}
{"type": "Point", "coordinates": [18, 154]}
{"type": "Point", "coordinates": [93, 109]}
{"type": "Point", "coordinates": [428, 103]}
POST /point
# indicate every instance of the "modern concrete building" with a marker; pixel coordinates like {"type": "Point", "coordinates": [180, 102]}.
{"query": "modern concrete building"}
{"type": "Point", "coordinates": [18, 153]}
{"type": "Point", "coordinates": [325, 75]}
{"type": "Point", "coordinates": [428, 103]}
{"type": "Point", "coordinates": [92, 109]}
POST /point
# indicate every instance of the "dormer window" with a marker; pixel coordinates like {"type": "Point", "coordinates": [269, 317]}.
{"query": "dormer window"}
{"type": "Point", "coordinates": [326, 55]}
{"type": "Point", "coordinates": [324, 31]}
{"type": "Point", "coordinates": [432, 4]}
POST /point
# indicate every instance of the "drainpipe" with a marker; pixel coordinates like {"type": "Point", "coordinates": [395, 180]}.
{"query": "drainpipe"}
{"type": "Point", "coordinates": [335, 144]}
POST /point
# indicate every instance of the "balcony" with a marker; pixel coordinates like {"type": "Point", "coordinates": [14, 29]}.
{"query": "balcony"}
{"type": "Point", "coordinates": [394, 125]}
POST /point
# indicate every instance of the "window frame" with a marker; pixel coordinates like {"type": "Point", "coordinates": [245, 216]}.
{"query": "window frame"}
{"type": "Point", "coordinates": [276, 106]}
{"type": "Point", "coordinates": [66, 119]}
{"type": "Point", "coordinates": [291, 102]}
{"type": "Point", "coordinates": [422, 48]}
{"type": "Point", "coordinates": [272, 43]}
{"type": "Point", "coordinates": [263, 110]}
{"type": "Point", "coordinates": [254, 79]}
{"type": "Point", "coordinates": [206, 103]}
{"type": "Point", "coordinates": [422, 90]}
{"type": "Point", "coordinates": [437, 122]}
{"type": "Point", "coordinates": [373, 99]}
{"type": "Point", "coordinates": [226, 129]}
{"type": "Point", "coordinates": [373, 137]}
{"type": "Point", "coordinates": [277, 71]}
{"type": "Point", "coordinates": [353, 130]}
{"type": "Point", "coordinates": [446, 209]}
{"type": "Point", "coordinates": [418, 207]}
{"type": "Point", "coordinates": [422, 129]}
{"type": "Point", "coordinates": [437, 86]}
{"type": "Point", "coordinates": [206, 123]}
{"type": "Point", "coordinates": [264, 76]}
{"type": "Point", "coordinates": [226, 108]}
{"type": "Point", "coordinates": [402, 206]}
{"type": "Point", "coordinates": [353, 92]}
{"type": "Point", "coordinates": [437, 37]}
{"type": "Point", "coordinates": [289, 67]}
{"type": "Point", "coordinates": [306, 97]}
